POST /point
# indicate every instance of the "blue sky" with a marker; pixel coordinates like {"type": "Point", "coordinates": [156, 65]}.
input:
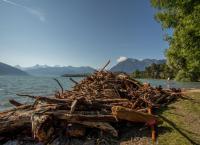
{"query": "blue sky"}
{"type": "Point", "coordinates": [78, 32]}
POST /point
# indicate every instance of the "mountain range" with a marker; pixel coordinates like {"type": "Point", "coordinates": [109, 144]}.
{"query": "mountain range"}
{"type": "Point", "coordinates": [130, 65]}
{"type": "Point", "coordinates": [45, 70]}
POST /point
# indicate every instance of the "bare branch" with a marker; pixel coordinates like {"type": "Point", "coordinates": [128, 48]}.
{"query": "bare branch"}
{"type": "Point", "coordinates": [62, 90]}
{"type": "Point", "coordinates": [25, 95]}
{"type": "Point", "coordinates": [73, 80]}
{"type": "Point", "coordinates": [105, 65]}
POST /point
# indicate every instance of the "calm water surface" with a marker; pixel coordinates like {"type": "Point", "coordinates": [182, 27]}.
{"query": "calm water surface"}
{"type": "Point", "coordinates": [46, 86]}
{"type": "Point", "coordinates": [171, 83]}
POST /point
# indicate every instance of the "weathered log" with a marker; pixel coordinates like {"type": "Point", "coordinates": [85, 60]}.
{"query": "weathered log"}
{"type": "Point", "coordinates": [42, 127]}
{"type": "Point", "coordinates": [66, 104]}
{"type": "Point", "coordinates": [100, 125]}
{"type": "Point", "coordinates": [137, 83]}
{"type": "Point", "coordinates": [65, 115]}
{"type": "Point", "coordinates": [45, 99]}
{"type": "Point", "coordinates": [20, 117]}
{"type": "Point", "coordinates": [15, 119]}
{"type": "Point", "coordinates": [50, 100]}
{"type": "Point", "coordinates": [133, 116]}
{"type": "Point", "coordinates": [23, 107]}
{"type": "Point", "coordinates": [75, 130]}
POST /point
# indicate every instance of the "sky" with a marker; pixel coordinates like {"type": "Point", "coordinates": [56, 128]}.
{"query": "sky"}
{"type": "Point", "coordinates": [78, 32]}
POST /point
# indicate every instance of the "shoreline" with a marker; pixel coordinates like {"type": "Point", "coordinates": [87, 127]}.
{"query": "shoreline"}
{"type": "Point", "coordinates": [191, 90]}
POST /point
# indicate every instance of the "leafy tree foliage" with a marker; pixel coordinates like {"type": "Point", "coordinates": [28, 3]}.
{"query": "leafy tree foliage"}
{"type": "Point", "coordinates": [155, 71]}
{"type": "Point", "coordinates": [183, 17]}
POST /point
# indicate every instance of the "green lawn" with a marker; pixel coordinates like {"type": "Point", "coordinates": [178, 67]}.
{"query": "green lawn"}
{"type": "Point", "coordinates": [183, 122]}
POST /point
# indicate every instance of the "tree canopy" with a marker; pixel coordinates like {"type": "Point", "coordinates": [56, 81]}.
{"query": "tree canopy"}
{"type": "Point", "coordinates": [183, 17]}
{"type": "Point", "coordinates": [155, 71]}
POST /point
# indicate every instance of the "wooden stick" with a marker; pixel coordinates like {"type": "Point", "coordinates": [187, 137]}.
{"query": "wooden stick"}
{"type": "Point", "coordinates": [62, 90]}
{"type": "Point", "coordinates": [153, 132]}
{"type": "Point", "coordinates": [73, 80]}
{"type": "Point", "coordinates": [105, 65]}
{"type": "Point", "coordinates": [142, 110]}
{"type": "Point", "coordinates": [73, 106]}
{"type": "Point", "coordinates": [25, 95]}
{"type": "Point", "coordinates": [15, 103]}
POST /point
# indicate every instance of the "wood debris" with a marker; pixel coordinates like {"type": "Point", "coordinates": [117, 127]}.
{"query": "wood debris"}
{"type": "Point", "coordinates": [97, 102]}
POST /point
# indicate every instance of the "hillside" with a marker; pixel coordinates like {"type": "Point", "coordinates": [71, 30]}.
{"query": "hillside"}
{"type": "Point", "coordinates": [129, 65]}
{"type": "Point", "coordinates": [6, 69]}
{"type": "Point", "coordinates": [45, 70]}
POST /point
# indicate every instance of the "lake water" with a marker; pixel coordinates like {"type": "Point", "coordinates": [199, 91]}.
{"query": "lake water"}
{"type": "Point", "coordinates": [46, 86]}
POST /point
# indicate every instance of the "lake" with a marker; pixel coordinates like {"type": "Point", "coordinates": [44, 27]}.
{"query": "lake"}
{"type": "Point", "coordinates": [46, 86]}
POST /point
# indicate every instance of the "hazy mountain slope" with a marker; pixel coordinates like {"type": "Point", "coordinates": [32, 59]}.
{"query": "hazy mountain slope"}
{"type": "Point", "coordinates": [6, 69]}
{"type": "Point", "coordinates": [129, 65]}
{"type": "Point", "coordinates": [44, 70]}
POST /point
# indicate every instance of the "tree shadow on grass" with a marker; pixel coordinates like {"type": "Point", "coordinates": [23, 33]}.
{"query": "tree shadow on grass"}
{"type": "Point", "coordinates": [179, 130]}
{"type": "Point", "coordinates": [138, 133]}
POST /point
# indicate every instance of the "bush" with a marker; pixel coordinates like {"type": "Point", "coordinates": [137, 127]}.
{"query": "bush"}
{"type": "Point", "coordinates": [186, 76]}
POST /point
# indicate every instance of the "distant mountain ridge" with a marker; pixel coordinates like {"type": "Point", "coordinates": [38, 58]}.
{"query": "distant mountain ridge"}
{"type": "Point", "coordinates": [45, 70]}
{"type": "Point", "coordinates": [130, 65]}
{"type": "Point", "coordinates": [6, 69]}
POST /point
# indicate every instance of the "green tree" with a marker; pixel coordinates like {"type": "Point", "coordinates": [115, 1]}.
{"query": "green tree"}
{"type": "Point", "coordinates": [136, 74]}
{"type": "Point", "coordinates": [156, 71]}
{"type": "Point", "coordinates": [183, 17]}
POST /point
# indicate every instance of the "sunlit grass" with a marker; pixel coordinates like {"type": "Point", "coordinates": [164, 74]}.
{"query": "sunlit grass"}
{"type": "Point", "coordinates": [185, 115]}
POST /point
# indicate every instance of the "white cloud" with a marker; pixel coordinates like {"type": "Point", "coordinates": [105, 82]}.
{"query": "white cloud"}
{"type": "Point", "coordinates": [121, 58]}
{"type": "Point", "coordinates": [37, 13]}
{"type": "Point", "coordinates": [32, 11]}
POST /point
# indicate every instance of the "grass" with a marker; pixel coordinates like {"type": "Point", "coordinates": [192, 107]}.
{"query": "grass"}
{"type": "Point", "coordinates": [183, 121]}
{"type": "Point", "coordinates": [181, 124]}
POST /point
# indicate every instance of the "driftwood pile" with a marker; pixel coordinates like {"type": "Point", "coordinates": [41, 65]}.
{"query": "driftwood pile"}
{"type": "Point", "coordinates": [97, 103]}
